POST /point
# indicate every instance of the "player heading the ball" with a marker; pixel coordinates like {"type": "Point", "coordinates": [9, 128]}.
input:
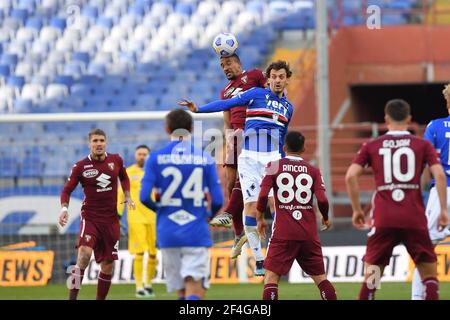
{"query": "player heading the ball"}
{"type": "Point", "coordinates": [267, 119]}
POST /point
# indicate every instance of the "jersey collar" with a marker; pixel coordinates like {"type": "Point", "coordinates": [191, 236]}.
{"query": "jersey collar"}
{"type": "Point", "coordinates": [89, 156]}
{"type": "Point", "coordinates": [294, 158]}
{"type": "Point", "coordinates": [398, 133]}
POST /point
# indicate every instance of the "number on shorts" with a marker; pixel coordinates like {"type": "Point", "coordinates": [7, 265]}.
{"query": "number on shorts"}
{"type": "Point", "coordinates": [192, 188]}
{"type": "Point", "coordinates": [301, 189]}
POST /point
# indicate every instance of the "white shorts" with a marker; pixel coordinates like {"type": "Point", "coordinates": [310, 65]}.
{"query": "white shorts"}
{"type": "Point", "coordinates": [251, 168]}
{"type": "Point", "coordinates": [180, 263]}
{"type": "Point", "coordinates": [432, 212]}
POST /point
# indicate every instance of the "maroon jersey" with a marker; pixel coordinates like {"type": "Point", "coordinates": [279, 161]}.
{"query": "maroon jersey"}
{"type": "Point", "coordinates": [294, 182]}
{"type": "Point", "coordinates": [246, 80]}
{"type": "Point", "coordinates": [397, 159]}
{"type": "Point", "coordinates": [99, 182]}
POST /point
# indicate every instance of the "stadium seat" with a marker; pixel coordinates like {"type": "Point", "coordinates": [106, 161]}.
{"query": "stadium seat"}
{"type": "Point", "coordinates": [23, 105]}
{"type": "Point", "coordinates": [34, 22]}
{"type": "Point", "coordinates": [58, 23]}
{"type": "Point", "coordinates": [19, 14]}
{"type": "Point", "coordinates": [16, 81]}
{"type": "Point", "coordinates": [32, 91]}
{"type": "Point", "coordinates": [10, 59]}
{"type": "Point", "coordinates": [56, 91]}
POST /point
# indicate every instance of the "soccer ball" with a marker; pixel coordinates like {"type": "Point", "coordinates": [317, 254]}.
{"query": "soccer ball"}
{"type": "Point", "coordinates": [225, 44]}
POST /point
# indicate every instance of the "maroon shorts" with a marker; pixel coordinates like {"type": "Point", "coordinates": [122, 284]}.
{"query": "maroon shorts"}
{"type": "Point", "coordinates": [383, 240]}
{"type": "Point", "coordinates": [103, 238]}
{"type": "Point", "coordinates": [282, 253]}
{"type": "Point", "coordinates": [234, 148]}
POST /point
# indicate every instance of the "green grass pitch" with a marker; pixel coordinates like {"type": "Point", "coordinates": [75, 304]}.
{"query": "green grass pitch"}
{"type": "Point", "coordinates": [345, 291]}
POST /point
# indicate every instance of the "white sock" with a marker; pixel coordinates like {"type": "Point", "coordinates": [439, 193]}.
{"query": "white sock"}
{"type": "Point", "coordinates": [417, 287]}
{"type": "Point", "coordinates": [254, 242]}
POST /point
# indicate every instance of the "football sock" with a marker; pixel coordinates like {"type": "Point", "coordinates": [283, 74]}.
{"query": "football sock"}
{"type": "Point", "coordinates": [138, 269]}
{"type": "Point", "coordinates": [270, 291]}
{"type": "Point", "coordinates": [76, 279]}
{"type": "Point", "coordinates": [327, 291]}
{"type": "Point", "coordinates": [431, 288]}
{"type": "Point", "coordinates": [366, 293]}
{"type": "Point", "coordinates": [193, 297]}
{"type": "Point", "coordinates": [235, 207]}
{"type": "Point", "coordinates": [151, 270]}
{"type": "Point", "coordinates": [104, 282]}
{"type": "Point", "coordinates": [253, 237]}
{"type": "Point", "coordinates": [417, 287]}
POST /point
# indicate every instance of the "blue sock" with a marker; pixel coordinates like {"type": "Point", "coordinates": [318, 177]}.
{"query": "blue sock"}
{"type": "Point", "coordinates": [273, 215]}
{"type": "Point", "coordinates": [193, 297]}
{"type": "Point", "coordinates": [181, 298]}
{"type": "Point", "coordinates": [250, 221]}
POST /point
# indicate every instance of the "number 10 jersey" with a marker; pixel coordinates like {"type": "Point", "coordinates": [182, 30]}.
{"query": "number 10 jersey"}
{"type": "Point", "coordinates": [397, 159]}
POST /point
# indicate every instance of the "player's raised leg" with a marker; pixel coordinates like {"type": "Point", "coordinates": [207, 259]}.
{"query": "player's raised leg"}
{"type": "Point", "coordinates": [76, 277]}
{"type": "Point", "coordinates": [104, 279]}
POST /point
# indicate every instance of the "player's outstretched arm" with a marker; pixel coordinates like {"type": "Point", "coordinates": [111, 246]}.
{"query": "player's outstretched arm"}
{"type": "Point", "coordinates": [441, 186]}
{"type": "Point", "coordinates": [351, 181]}
{"type": "Point", "coordinates": [242, 99]}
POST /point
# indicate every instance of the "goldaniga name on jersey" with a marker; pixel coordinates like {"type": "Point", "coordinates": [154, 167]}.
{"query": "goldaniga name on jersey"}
{"type": "Point", "coordinates": [396, 143]}
{"type": "Point", "coordinates": [181, 159]}
{"type": "Point", "coordinates": [295, 168]}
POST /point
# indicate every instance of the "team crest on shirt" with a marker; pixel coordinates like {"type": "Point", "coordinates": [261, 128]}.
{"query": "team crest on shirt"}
{"type": "Point", "coordinates": [111, 165]}
{"type": "Point", "coordinates": [87, 237]}
{"type": "Point", "coordinates": [244, 79]}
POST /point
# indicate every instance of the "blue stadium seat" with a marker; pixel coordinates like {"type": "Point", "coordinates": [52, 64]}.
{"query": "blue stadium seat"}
{"type": "Point", "coordinates": [9, 167]}
{"type": "Point", "coordinates": [58, 23]}
{"type": "Point", "coordinates": [34, 22]}
{"type": "Point", "coordinates": [23, 105]}
{"type": "Point", "coordinates": [146, 102]}
{"type": "Point", "coordinates": [97, 103]}
{"type": "Point", "coordinates": [89, 79]}
{"type": "Point", "coordinates": [10, 59]}
{"type": "Point", "coordinates": [16, 81]}
{"type": "Point", "coordinates": [105, 22]}
{"type": "Point", "coordinates": [19, 14]}
{"type": "Point", "coordinates": [82, 57]}
{"type": "Point", "coordinates": [184, 8]}
{"type": "Point", "coordinates": [4, 70]}
{"type": "Point", "coordinates": [90, 12]}
{"type": "Point", "coordinates": [64, 79]}
{"type": "Point", "coordinates": [30, 167]}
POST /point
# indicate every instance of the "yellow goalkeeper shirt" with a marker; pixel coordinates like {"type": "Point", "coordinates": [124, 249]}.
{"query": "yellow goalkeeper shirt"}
{"type": "Point", "coordinates": [141, 214]}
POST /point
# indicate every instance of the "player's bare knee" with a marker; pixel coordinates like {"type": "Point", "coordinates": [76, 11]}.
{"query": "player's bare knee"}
{"type": "Point", "coordinates": [84, 256]}
{"type": "Point", "coordinates": [107, 266]}
{"type": "Point", "coordinates": [271, 277]}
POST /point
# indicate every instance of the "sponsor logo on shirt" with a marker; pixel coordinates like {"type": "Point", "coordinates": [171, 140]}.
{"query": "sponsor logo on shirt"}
{"type": "Point", "coordinates": [91, 173]}
{"type": "Point", "coordinates": [104, 181]}
{"type": "Point", "coordinates": [88, 166]}
{"type": "Point", "coordinates": [182, 217]}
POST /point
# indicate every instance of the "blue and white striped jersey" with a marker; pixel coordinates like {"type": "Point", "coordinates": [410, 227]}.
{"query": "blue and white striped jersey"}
{"type": "Point", "coordinates": [267, 118]}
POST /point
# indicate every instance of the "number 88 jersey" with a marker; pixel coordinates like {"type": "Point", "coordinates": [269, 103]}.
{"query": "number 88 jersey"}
{"type": "Point", "coordinates": [397, 159]}
{"type": "Point", "coordinates": [294, 182]}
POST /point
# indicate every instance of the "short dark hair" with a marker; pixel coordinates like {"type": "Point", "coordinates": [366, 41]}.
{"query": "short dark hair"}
{"type": "Point", "coordinates": [295, 141]}
{"type": "Point", "coordinates": [97, 132]}
{"type": "Point", "coordinates": [179, 119]}
{"type": "Point", "coordinates": [143, 146]}
{"type": "Point", "coordinates": [397, 109]}
{"type": "Point", "coordinates": [234, 55]}
{"type": "Point", "coordinates": [278, 65]}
